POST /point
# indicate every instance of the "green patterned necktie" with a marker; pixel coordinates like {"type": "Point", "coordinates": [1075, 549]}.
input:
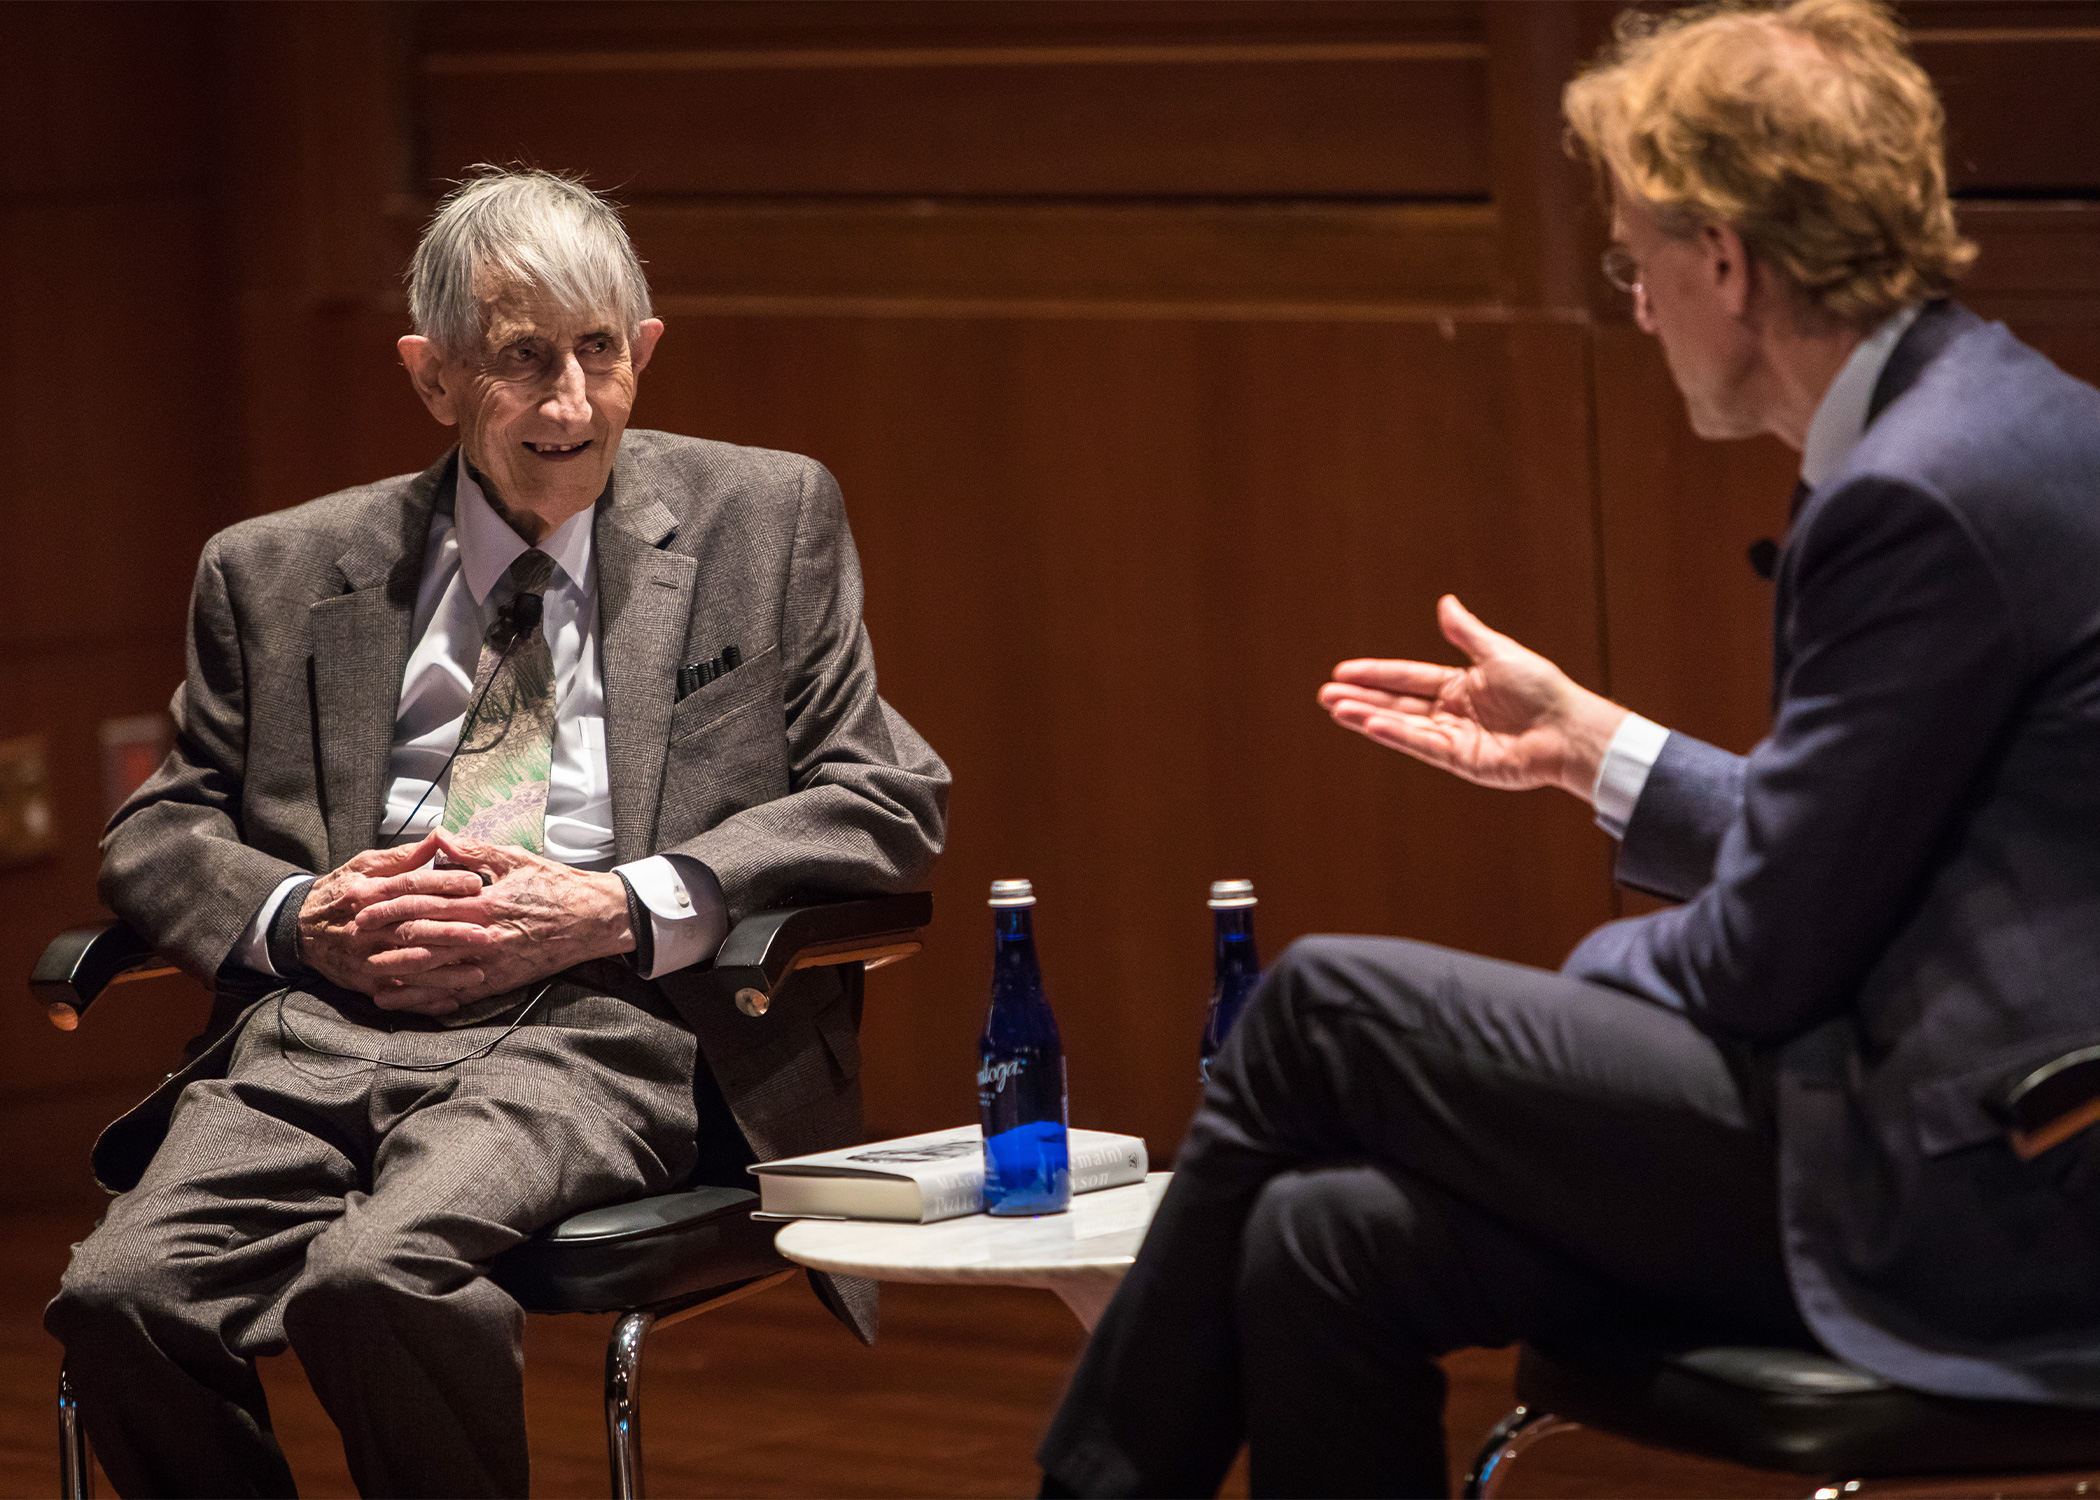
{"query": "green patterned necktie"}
{"type": "Point", "coordinates": [499, 781]}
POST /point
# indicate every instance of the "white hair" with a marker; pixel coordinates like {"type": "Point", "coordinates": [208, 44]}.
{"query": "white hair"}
{"type": "Point", "coordinates": [530, 228]}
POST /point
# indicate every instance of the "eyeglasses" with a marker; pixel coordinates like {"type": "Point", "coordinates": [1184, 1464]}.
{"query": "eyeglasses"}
{"type": "Point", "coordinates": [1621, 269]}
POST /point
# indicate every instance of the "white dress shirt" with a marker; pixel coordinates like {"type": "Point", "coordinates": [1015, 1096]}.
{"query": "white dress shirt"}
{"type": "Point", "coordinates": [464, 584]}
{"type": "Point", "coordinates": [1833, 432]}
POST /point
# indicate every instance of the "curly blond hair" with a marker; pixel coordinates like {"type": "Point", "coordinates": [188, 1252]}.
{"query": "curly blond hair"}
{"type": "Point", "coordinates": [1807, 127]}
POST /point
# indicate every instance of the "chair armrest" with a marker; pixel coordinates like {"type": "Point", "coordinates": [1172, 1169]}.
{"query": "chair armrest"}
{"type": "Point", "coordinates": [2051, 1103]}
{"type": "Point", "coordinates": [77, 966]}
{"type": "Point", "coordinates": [766, 947]}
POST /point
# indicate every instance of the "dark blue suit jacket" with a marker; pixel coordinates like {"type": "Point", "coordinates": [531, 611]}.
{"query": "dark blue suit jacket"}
{"type": "Point", "coordinates": [1899, 888]}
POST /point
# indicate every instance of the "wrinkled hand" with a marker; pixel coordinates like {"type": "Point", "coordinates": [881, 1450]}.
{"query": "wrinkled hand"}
{"type": "Point", "coordinates": [332, 942]}
{"type": "Point", "coordinates": [536, 917]}
{"type": "Point", "coordinates": [1511, 720]}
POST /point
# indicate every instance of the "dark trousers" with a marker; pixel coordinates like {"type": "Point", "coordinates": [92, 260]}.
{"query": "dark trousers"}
{"type": "Point", "coordinates": [344, 1208]}
{"type": "Point", "coordinates": [1405, 1151]}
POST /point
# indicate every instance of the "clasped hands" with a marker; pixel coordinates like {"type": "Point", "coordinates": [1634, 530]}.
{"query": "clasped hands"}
{"type": "Point", "coordinates": [1511, 719]}
{"type": "Point", "coordinates": [430, 940]}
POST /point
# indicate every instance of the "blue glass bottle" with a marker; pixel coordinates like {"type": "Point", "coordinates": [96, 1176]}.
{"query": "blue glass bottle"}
{"type": "Point", "coordinates": [1021, 1071]}
{"type": "Point", "coordinates": [1237, 965]}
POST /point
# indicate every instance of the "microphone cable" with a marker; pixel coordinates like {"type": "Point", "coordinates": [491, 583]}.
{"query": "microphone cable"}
{"type": "Point", "coordinates": [519, 618]}
{"type": "Point", "coordinates": [286, 1028]}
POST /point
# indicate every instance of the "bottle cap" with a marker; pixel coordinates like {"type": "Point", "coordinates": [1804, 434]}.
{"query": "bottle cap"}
{"type": "Point", "coordinates": [1228, 893]}
{"type": "Point", "coordinates": [1012, 893]}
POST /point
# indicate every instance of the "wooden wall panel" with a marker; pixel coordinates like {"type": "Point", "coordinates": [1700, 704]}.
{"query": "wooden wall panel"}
{"type": "Point", "coordinates": [962, 250]}
{"type": "Point", "coordinates": [2041, 257]}
{"type": "Point", "coordinates": [117, 398]}
{"type": "Point", "coordinates": [360, 422]}
{"type": "Point", "coordinates": [1395, 120]}
{"type": "Point", "coordinates": [101, 99]}
{"type": "Point", "coordinates": [822, 25]}
{"type": "Point", "coordinates": [2023, 117]}
{"type": "Point", "coordinates": [58, 1088]}
{"type": "Point", "coordinates": [2040, 272]}
{"type": "Point", "coordinates": [963, 98]}
{"type": "Point", "coordinates": [111, 492]}
{"type": "Point", "coordinates": [1109, 561]}
{"type": "Point", "coordinates": [111, 496]}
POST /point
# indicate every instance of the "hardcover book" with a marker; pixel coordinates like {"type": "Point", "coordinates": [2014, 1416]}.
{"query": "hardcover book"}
{"type": "Point", "coordinates": [918, 1179]}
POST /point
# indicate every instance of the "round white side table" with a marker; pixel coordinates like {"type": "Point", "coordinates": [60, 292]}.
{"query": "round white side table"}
{"type": "Point", "coordinates": [1080, 1254]}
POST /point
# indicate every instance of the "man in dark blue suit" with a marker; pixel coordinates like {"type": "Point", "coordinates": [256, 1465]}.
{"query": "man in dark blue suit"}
{"type": "Point", "coordinates": [1763, 1115]}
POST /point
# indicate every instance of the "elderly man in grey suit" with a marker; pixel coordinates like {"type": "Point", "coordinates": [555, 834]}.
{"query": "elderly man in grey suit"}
{"type": "Point", "coordinates": [1764, 1115]}
{"type": "Point", "coordinates": [472, 769]}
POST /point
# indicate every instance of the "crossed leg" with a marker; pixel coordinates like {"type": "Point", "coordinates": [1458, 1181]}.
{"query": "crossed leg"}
{"type": "Point", "coordinates": [1404, 1151]}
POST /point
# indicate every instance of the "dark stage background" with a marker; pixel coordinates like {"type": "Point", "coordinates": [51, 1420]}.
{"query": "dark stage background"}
{"type": "Point", "coordinates": [1166, 353]}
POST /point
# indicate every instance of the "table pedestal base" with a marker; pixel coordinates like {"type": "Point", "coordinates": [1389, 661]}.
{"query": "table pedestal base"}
{"type": "Point", "coordinates": [1087, 1293]}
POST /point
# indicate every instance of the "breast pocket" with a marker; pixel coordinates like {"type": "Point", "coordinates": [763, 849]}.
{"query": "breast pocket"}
{"type": "Point", "coordinates": [755, 683]}
{"type": "Point", "coordinates": [728, 749]}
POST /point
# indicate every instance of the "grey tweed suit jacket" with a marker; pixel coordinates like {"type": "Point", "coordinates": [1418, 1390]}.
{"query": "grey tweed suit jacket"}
{"type": "Point", "coordinates": [789, 777]}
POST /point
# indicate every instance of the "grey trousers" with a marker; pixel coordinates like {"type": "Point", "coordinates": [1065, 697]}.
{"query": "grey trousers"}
{"type": "Point", "coordinates": [345, 1208]}
{"type": "Point", "coordinates": [1405, 1151]}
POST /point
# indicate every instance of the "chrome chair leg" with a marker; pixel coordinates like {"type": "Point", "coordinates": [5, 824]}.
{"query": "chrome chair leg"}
{"type": "Point", "coordinates": [1509, 1437]}
{"type": "Point", "coordinates": [623, 1403]}
{"type": "Point", "coordinates": [76, 1471]}
{"type": "Point", "coordinates": [623, 1372]}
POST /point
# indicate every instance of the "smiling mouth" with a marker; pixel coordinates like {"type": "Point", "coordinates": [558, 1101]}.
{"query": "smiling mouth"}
{"type": "Point", "coordinates": [558, 450]}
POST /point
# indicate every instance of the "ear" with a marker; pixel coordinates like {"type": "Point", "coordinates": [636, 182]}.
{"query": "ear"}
{"type": "Point", "coordinates": [644, 343]}
{"type": "Point", "coordinates": [426, 373]}
{"type": "Point", "coordinates": [1728, 264]}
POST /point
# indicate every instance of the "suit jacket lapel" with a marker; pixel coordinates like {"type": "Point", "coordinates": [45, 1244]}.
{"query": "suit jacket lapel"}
{"type": "Point", "coordinates": [360, 650]}
{"type": "Point", "coordinates": [645, 601]}
{"type": "Point", "coordinates": [1936, 326]}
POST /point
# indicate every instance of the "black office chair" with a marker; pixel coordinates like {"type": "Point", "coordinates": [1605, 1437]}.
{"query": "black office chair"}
{"type": "Point", "coordinates": [655, 1261]}
{"type": "Point", "coordinates": [1798, 1413]}
{"type": "Point", "coordinates": [1808, 1414]}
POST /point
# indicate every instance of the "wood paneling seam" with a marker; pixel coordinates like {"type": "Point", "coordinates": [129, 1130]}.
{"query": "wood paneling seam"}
{"type": "Point", "coordinates": [948, 57]}
{"type": "Point", "coordinates": [1926, 37]}
{"type": "Point", "coordinates": [1102, 310]}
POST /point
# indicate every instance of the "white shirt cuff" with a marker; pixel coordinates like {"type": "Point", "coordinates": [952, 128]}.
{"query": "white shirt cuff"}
{"type": "Point", "coordinates": [687, 925]}
{"type": "Point", "coordinates": [1627, 761]}
{"type": "Point", "coordinates": [253, 950]}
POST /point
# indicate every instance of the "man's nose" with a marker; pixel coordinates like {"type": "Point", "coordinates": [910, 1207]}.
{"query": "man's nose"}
{"type": "Point", "coordinates": [568, 401]}
{"type": "Point", "coordinates": [1643, 315]}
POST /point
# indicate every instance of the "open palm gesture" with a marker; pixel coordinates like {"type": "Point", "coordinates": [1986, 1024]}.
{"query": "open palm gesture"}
{"type": "Point", "coordinates": [1511, 719]}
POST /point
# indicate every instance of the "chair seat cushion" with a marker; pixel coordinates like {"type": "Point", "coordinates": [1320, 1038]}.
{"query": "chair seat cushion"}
{"type": "Point", "coordinates": [1803, 1413]}
{"type": "Point", "coordinates": [639, 1254]}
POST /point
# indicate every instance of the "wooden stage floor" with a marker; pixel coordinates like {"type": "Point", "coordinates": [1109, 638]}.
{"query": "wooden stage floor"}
{"type": "Point", "coordinates": [769, 1397]}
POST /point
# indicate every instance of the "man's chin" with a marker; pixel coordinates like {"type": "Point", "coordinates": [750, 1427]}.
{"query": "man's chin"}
{"type": "Point", "coordinates": [553, 497]}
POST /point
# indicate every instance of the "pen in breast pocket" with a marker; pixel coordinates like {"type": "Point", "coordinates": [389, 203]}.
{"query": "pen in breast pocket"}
{"type": "Point", "coordinates": [696, 675]}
